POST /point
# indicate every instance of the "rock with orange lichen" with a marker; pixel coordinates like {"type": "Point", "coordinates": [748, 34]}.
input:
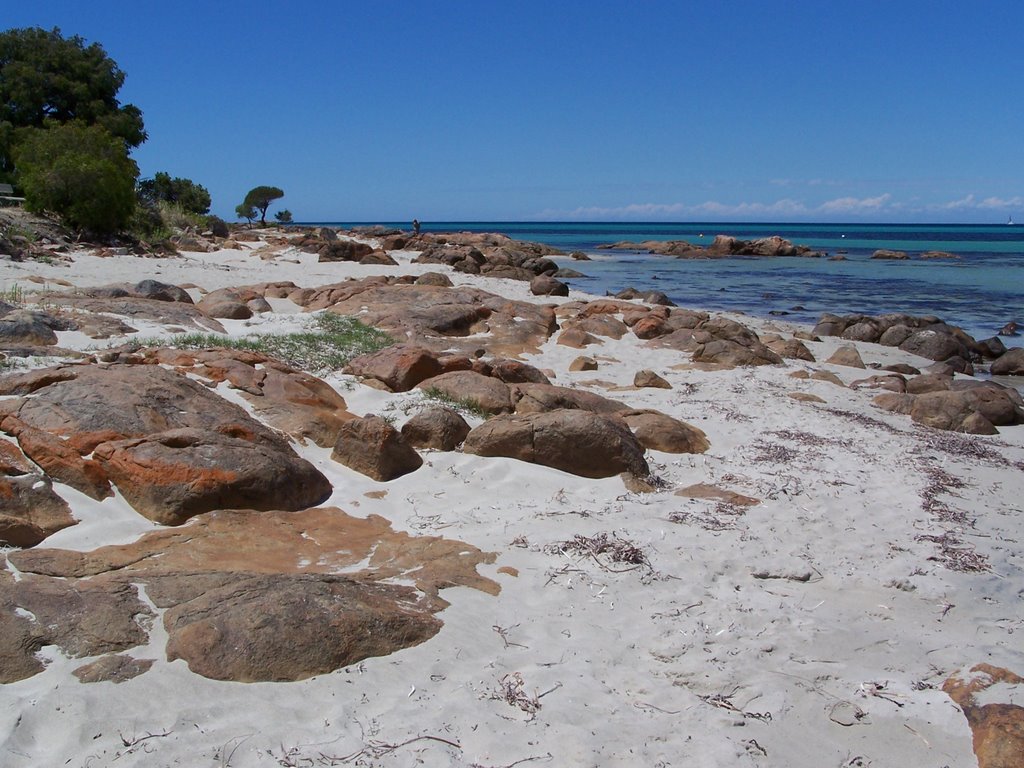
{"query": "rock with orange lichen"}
{"type": "Point", "coordinates": [998, 727]}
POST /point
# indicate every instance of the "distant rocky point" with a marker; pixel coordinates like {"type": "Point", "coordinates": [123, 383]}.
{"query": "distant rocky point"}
{"type": "Point", "coordinates": [722, 247]}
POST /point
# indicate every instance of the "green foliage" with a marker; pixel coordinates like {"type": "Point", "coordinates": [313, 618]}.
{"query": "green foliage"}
{"type": "Point", "coordinates": [81, 173]}
{"type": "Point", "coordinates": [184, 193]}
{"type": "Point", "coordinates": [330, 341]}
{"type": "Point", "coordinates": [13, 295]}
{"type": "Point", "coordinates": [46, 79]}
{"type": "Point", "coordinates": [283, 216]}
{"type": "Point", "coordinates": [246, 212]}
{"type": "Point", "coordinates": [464, 404]}
{"type": "Point", "coordinates": [260, 198]}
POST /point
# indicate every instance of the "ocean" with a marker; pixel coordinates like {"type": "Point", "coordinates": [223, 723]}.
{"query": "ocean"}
{"type": "Point", "coordinates": [981, 291]}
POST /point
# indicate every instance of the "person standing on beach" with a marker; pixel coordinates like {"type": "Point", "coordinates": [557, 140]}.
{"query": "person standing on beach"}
{"type": "Point", "coordinates": [416, 226]}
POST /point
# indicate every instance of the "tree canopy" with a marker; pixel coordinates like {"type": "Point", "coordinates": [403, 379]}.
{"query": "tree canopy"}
{"type": "Point", "coordinates": [46, 78]}
{"type": "Point", "coordinates": [260, 198]}
{"type": "Point", "coordinates": [185, 193]}
{"type": "Point", "coordinates": [80, 172]}
{"type": "Point", "coordinates": [246, 212]}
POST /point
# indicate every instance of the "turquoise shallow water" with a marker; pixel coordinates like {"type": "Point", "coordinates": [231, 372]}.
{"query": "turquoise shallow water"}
{"type": "Point", "coordinates": [981, 291]}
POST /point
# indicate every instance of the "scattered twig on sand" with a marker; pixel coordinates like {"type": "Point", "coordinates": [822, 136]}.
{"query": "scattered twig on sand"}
{"type": "Point", "coordinates": [374, 749]}
{"type": "Point", "coordinates": [724, 701]}
{"type": "Point", "coordinates": [644, 705]}
{"type": "Point", "coordinates": [545, 756]}
{"type": "Point", "coordinates": [878, 691]}
{"type": "Point", "coordinates": [511, 691]}
{"type": "Point", "coordinates": [139, 739]}
{"type": "Point", "coordinates": [612, 548]}
{"type": "Point", "coordinates": [503, 634]}
{"type": "Point", "coordinates": [136, 743]}
{"type": "Point", "coordinates": [721, 518]}
{"type": "Point", "coordinates": [753, 746]}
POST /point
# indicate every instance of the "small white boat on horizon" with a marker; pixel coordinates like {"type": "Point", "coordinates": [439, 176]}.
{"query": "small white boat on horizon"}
{"type": "Point", "coordinates": [1009, 222]}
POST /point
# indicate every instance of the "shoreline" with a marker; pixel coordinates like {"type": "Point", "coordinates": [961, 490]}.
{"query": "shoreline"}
{"type": "Point", "coordinates": [816, 625]}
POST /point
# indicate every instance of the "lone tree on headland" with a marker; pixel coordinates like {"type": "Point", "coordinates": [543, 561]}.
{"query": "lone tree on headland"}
{"type": "Point", "coordinates": [47, 80]}
{"type": "Point", "coordinates": [260, 198]}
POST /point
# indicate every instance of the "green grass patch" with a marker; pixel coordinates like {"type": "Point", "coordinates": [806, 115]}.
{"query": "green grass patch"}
{"type": "Point", "coordinates": [464, 404]}
{"type": "Point", "coordinates": [329, 342]}
{"type": "Point", "coordinates": [13, 295]}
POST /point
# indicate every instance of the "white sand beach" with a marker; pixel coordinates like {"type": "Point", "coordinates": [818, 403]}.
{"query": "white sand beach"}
{"type": "Point", "coordinates": [814, 627]}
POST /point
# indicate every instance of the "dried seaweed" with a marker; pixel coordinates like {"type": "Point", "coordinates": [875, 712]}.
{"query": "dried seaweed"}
{"type": "Point", "coordinates": [955, 554]}
{"type": "Point", "coordinates": [601, 548]}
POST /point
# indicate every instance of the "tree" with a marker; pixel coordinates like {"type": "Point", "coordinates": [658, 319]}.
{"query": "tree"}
{"type": "Point", "coordinates": [185, 193]}
{"type": "Point", "coordinates": [80, 172]}
{"type": "Point", "coordinates": [47, 79]}
{"type": "Point", "coordinates": [260, 198]}
{"type": "Point", "coordinates": [284, 216]}
{"type": "Point", "coordinates": [246, 212]}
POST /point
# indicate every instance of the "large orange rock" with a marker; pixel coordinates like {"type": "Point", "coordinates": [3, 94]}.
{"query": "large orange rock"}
{"type": "Point", "coordinates": [172, 476]}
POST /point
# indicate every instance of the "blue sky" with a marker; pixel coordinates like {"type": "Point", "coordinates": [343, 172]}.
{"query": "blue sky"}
{"type": "Point", "coordinates": [688, 110]}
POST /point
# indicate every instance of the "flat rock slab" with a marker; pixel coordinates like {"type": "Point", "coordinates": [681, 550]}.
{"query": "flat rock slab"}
{"type": "Point", "coordinates": [248, 596]}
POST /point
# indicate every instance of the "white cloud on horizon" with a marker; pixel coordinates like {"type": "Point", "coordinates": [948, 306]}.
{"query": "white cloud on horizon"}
{"type": "Point", "coordinates": [878, 205]}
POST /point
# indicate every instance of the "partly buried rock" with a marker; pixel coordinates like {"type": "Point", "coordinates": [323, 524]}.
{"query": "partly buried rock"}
{"type": "Point", "coordinates": [112, 668]}
{"type": "Point", "coordinates": [978, 410]}
{"type": "Point", "coordinates": [374, 448]}
{"type": "Point", "coordinates": [732, 353]}
{"type": "Point", "coordinates": [574, 441]}
{"type": "Point", "coordinates": [539, 398]}
{"type": "Point", "coordinates": [172, 476]}
{"type": "Point", "coordinates": [28, 327]}
{"type": "Point", "coordinates": [30, 510]}
{"type": "Point", "coordinates": [399, 367]}
{"type": "Point", "coordinates": [648, 378]}
{"type": "Point", "coordinates": [84, 618]}
{"type": "Point", "coordinates": [661, 432]}
{"type": "Point", "coordinates": [543, 285]}
{"type": "Point", "coordinates": [440, 428]}
{"type": "Point", "coordinates": [848, 356]}
{"type": "Point", "coordinates": [516, 372]}
{"type": "Point", "coordinates": [1010, 363]}
{"type": "Point", "coordinates": [225, 303]}
{"type": "Point", "coordinates": [343, 250]}
{"type": "Point", "coordinates": [486, 393]}
{"type": "Point", "coordinates": [583, 363]}
{"type": "Point", "coordinates": [997, 726]}
{"type": "Point", "coordinates": [234, 631]}
{"type": "Point", "coordinates": [790, 349]}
